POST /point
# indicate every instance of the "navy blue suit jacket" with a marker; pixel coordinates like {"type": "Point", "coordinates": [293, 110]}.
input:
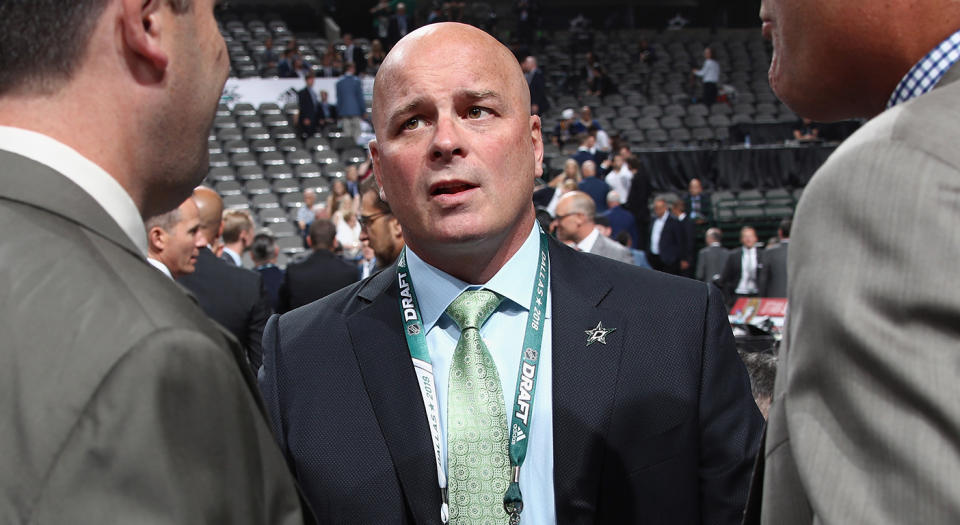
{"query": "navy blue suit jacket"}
{"type": "Point", "coordinates": [350, 101]}
{"type": "Point", "coordinates": [657, 426]}
{"type": "Point", "coordinates": [672, 240]}
{"type": "Point", "coordinates": [622, 220]}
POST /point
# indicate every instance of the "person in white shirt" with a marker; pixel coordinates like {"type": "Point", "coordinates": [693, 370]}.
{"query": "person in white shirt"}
{"type": "Point", "coordinates": [174, 240]}
{"type": "Point", "coordinates": [710, 74]}
{"type": "Point", "coordinates": [742, 272]}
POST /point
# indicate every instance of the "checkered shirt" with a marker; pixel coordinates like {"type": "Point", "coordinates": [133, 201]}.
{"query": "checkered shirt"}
{"type": "Point", "coordinates": [924, 76]}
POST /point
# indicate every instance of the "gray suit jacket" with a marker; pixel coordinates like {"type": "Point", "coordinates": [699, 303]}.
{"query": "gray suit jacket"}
{"type": "Point", "coordinates": [120, 402]}
{"type": "Point", "coordinates": [865, 424]}
{"type": "Point", "coordinates": [710, 263]}
{"type": "Point", "coordinates": [611, 249]}
{"type": "Point", "coordinates": [774, 277]}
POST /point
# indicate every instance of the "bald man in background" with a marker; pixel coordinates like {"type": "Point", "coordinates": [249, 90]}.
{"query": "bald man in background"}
{"type": "Point", "coordinates": [865, 422]}
{"type": "Point", "coordinates": [232, 296]}
{"type": "Point", "coordinates": [642, 410]}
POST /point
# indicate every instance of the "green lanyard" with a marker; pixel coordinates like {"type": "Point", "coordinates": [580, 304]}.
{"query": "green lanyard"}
{"type": "Point", "coordinates": [526, 377]}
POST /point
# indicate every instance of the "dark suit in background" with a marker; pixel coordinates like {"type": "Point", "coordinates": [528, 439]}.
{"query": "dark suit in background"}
{"type": "Point", "coordinates": [538, 91]}
{"type": "Point", "coordinates": [120, 402]}
{"type": "Point", "coordinates": [733, 272]}
{"type": "Point", "coordinates": [638, 203]}
{"type": "Point", "coordinates": [775, 270]}
{"type": "Point", "coordinates": [308, 110]}
{"type": "Point", "coordinates": [671, 246]}
{"type": "Point", "coordinates": [657, 426]}
{"type": "Point", "coordinates": [272, 277]}
{"type": "Point", "coordinates": [704, 210]}
{"type": "Point", "coordinates": [689, 233]}
{"type": "Point", "coordinates": [232, 296]}
{"type": "Point", "coordinates": [319, 275]}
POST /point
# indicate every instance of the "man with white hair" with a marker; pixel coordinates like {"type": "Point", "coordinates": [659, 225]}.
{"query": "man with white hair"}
{"type": "Point", "coordinates": [593, 186]}
{"type": "Point", "coordinates": [621, 219]}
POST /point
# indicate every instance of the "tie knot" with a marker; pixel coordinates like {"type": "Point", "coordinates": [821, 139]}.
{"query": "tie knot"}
{"type": "Point", "coordinates": [472, 308]}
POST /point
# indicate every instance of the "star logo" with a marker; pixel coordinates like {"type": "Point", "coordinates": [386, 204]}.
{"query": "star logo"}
{"type": "Point", "coordinates": [598, 334]}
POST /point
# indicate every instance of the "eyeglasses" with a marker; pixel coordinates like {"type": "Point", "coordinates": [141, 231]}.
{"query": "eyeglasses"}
{"type": "Point", "coordinates": [366, 220]}
{"type": "Point", "coordinates": [565, 215]}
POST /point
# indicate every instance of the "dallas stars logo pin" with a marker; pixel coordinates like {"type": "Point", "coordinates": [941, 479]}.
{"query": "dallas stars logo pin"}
{"type": "Point", "coordinates": [598, 334]}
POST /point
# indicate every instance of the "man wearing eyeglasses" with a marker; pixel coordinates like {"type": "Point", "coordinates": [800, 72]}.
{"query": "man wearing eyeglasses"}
{"type": "Point", "coordinates": [379, 229]}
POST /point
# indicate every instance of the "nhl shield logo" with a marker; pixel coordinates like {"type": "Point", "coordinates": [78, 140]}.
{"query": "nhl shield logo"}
{"type": "Point", "coordinates": [530, 354]}
{"type": "Point", "coordinates": [413, 329]}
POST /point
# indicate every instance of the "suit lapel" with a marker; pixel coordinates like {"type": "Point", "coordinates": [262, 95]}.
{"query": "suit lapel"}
{"type": "Point", "coordinates": [584, 378]}
{"type": "Point", "coordinates": [24, 180]}
{"type": "Point", "coordinates": [391, 384]}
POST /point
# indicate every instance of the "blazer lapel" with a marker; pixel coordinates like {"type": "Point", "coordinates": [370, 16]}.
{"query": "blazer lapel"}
{"type": "Point", "coordinates": [35, 184]}
{"type": "Point", "coordinates": [584, 380]}
{"type": "Point", "coordinates": [381, 350]}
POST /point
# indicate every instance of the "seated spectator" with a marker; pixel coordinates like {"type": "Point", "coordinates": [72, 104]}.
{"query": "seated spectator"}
{"type": "Point", "coordinates": [305, 212]}
{"type": "Point", "coordinates": [563, 132]}
{"type": "Point", "coordinates": [326, 112]}
{"type": "Point", "coordinates": [585, 122]}
{"type": "Point", "coordinates": [348, 233]}
{"type": "Point", "coordinates": [806, 131]}
{"type": "Point", "coordinates": [320, 274]}
{"type": "Point", "coordinates": [617, 175]}
{"type": "Point", "coordinates": [600, 85]}
{"type": "Point", "coordinates": [264, 252]}
{"type": "Point", "coordinates": [174, 240]}
{"type": "Point", "coordinates": [285, 67]}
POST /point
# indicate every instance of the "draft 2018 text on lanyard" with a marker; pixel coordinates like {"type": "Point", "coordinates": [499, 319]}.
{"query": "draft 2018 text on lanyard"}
{"type": "Point", "coordinates": [526, 378]}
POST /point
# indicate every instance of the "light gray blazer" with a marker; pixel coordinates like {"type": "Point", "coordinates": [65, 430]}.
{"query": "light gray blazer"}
{"type": "Point", "coordinates": [611, 249]}
{"type": "Point", "coordinates": [120, 402]}
{"type": "Point", "coordinates": [865, 424]}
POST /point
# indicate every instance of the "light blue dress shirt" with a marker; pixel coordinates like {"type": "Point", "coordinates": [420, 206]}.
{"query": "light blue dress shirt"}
{"type": "Point", "coordinates": [503, 335]}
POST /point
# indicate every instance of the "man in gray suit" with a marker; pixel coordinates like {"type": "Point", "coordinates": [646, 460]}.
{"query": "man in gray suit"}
{"type": "Point", "coordinates": [865, 423]}
{"type": "Point", "coordinates": [575, 224]}
{"type": "Point", "coordinates": [712, 257]}
{"type": "Point", "coordinates": [774, 280]}
{"type": "Point", "coordinates": [120, 402]}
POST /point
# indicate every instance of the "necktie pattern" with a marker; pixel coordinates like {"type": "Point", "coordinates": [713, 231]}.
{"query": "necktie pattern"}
{"type": "Point", "coordinates": [478, 465]}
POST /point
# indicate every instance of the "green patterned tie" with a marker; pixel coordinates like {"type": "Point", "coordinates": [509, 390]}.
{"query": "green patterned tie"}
{"type": "Point", "coordinates": [478, 466]}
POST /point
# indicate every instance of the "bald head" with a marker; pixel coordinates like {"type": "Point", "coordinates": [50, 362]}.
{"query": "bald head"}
{"type": "Point", "coordinates": [210, 206]}
{"type": "Point", "coordinates": [420, 51]}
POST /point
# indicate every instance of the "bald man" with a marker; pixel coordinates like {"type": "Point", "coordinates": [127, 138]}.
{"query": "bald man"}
{"type": "Point", "coordinates": [617, 391]}
{"type": "Point", "coordinates": [233, 296]}
{"type": "Point", "coordinates": [865, 423]}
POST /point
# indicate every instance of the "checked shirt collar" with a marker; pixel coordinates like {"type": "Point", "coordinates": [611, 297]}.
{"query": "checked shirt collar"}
{"type": "Point", "coordinates": [925, 74]}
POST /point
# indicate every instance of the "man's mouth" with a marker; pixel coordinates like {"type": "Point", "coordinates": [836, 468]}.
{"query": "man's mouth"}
{"type": "Point", "coordinates": [450, 187]}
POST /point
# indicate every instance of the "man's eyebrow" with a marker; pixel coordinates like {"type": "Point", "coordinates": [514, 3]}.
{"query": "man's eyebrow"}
{"type": "Point", "coordinates": [481, 95]}
{"type": "Point", "coordinates": [407, 108]}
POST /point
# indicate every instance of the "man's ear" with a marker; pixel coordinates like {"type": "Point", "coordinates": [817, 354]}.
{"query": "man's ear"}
{"type": "Point", "coordinates": [143, 24]}
{"type": "Point", "coordinates": [157, 239]}
{"type": "Point", "coordinates": [375, 158]}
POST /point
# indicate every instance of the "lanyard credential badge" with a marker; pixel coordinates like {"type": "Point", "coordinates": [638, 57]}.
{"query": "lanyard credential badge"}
{"type": "Point", "coordinates": [414, 331]}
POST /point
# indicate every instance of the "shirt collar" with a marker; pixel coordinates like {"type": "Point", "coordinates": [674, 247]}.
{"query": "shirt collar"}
{"type": "Point", "coordinates": [925, 75]}
{"type": "Point", "coordinates": [437, 289]}
{"type": "Point", "coordinates": [587, 243]}
{"type": "Point", "coordinates": [160, 266]}
{"type": "Point", "coordinates": [233, 255]}
{"type": "Point", "coordinates": [92, 179]}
